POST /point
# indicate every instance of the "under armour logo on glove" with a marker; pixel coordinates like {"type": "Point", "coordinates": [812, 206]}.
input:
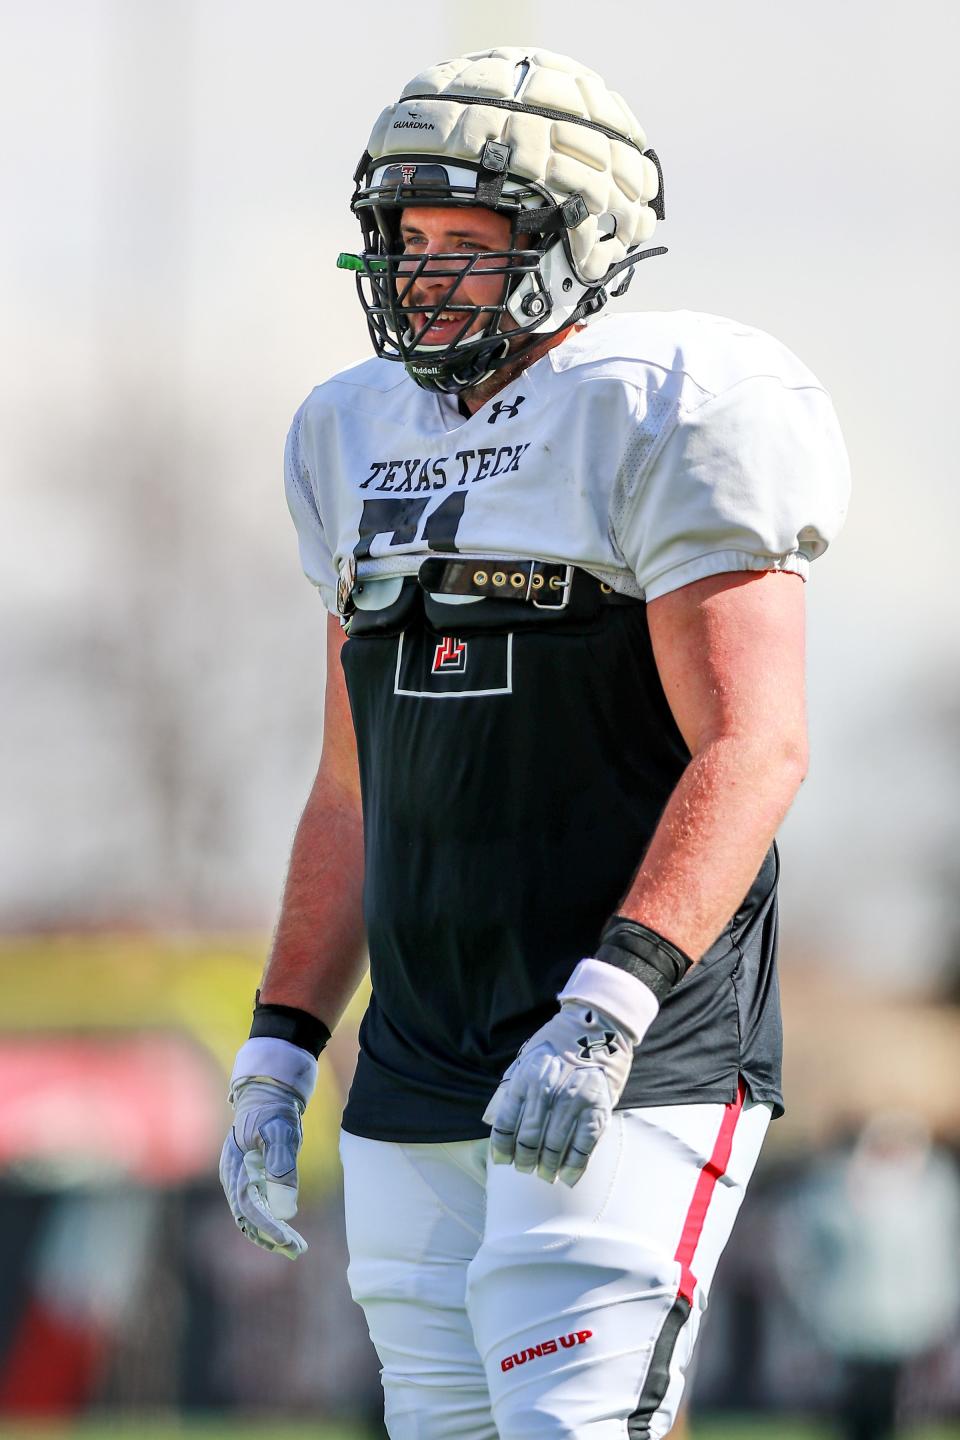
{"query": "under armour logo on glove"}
{"type": "Point", "coordinates": [555, 1100]}
{"type": "Point", "coordinates": [608, 1043]}
{"type": "Point", "coordinates": [500, 407]}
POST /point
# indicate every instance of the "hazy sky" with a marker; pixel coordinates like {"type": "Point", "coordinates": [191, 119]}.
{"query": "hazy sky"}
{"type": "Point", "coordinates": [176, 178]}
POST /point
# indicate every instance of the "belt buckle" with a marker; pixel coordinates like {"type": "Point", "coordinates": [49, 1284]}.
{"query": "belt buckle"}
{"type": "Point", "coordinates": [564, 587]}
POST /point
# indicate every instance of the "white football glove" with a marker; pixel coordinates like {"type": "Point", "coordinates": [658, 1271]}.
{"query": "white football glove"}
{"type": "Point", "coordinates": [271, 1083]}
{"type": "Point", "coordinates": [556, 1099]}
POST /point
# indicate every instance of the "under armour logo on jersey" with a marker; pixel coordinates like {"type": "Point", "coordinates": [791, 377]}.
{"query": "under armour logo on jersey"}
{"type": "Point", "coordinates": [608, 1043]}
{"type": "Point", "coordinates": [450, 655]}
{"type": "Point", "coordinates": [500, 407]}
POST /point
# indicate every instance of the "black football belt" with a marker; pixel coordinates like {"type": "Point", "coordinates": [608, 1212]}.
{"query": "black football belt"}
{"type": "Point", "coordinates": [544, 584]}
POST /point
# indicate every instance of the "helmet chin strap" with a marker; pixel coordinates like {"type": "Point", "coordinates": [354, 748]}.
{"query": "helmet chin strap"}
{"type": "Point", "coordinates": [460, 372]}
{"type": "Point", "coordinates": [513, 364]}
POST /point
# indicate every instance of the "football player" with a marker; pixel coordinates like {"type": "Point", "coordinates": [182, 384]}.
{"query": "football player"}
{"type": "Point", "coordinates": [564, 557]}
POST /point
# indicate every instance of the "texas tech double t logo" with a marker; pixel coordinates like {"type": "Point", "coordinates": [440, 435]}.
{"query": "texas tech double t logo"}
{"type": "Point", "coordinates": [450, 656]}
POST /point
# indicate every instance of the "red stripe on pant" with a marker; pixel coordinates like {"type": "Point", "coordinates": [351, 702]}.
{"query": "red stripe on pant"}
{"type": "Point", "coordinates": [707, 1179]}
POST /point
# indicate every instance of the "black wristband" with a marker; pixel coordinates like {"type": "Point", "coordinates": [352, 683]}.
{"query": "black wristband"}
{"type": "Point", "coordinates": [630, 946]}
{"type": "Point", "coordinates": [286, 1022]}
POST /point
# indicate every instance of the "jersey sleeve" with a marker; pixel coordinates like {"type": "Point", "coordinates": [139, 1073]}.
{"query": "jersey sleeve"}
{"type": "Point", "coordinates": [315, 556]}
{"type": "Point", "coordinates": [755, 478]}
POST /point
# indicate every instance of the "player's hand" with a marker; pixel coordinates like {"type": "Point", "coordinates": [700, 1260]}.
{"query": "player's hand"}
{"type": "Point", "coordinates": [556, 1099]}
{"type": "Point", "coordinates": [258, 1164]}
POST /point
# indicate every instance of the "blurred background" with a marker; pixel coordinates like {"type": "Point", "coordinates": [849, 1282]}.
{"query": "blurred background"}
{"type": "Point", "coordinates": [176, 177]}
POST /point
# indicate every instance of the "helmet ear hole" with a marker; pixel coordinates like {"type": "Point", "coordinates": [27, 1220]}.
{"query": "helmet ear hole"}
{"type": "Point", "coordinates": [606, 226]}
{"type": "Point", "coordinates": [537, 306]}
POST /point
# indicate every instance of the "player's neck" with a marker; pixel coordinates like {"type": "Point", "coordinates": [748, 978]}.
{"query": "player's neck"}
{"type": "Point", "coordinates": [477, 396]}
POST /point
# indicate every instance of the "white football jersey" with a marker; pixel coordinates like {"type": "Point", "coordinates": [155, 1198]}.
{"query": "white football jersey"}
{"type": "Point", "coordinates": [649, 449]}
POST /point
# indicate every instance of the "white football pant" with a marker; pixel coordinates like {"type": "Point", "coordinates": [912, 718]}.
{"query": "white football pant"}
{"type": "Point", "coordinates": [501, 1306]}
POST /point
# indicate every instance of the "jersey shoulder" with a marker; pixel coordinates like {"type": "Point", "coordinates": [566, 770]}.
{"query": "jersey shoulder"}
{"type": "Point", "coordinates": [692, 356]}
{"type": "Point", "coordinates": [748, 471]}
{"type": "Point", "coordinates": [365, 385]}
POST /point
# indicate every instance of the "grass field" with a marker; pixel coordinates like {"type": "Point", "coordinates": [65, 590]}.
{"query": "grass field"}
{"type": "Point", "coordinates": [769, 1428]}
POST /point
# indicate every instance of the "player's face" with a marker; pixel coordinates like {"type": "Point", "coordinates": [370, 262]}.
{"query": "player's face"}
{"type": "Point", "coordinates": [454, 231]}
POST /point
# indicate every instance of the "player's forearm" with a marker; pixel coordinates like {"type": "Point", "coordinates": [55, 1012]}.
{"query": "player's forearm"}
{"type": "Point", "coordinates": [712, 837]}
{"type": "Point", "coordinates": [318, 954]}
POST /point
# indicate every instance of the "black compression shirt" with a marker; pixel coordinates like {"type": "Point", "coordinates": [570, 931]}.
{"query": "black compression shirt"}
{"type": "Point", "coordinates": [514, 765]}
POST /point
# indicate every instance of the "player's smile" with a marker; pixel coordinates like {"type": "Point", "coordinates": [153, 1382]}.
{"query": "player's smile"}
{"type": "Point", "coordinates": [445, 327]}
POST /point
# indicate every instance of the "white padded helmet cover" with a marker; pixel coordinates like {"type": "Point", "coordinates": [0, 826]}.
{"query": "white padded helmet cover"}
{"type": "Point", "coordinates": [616, 181]}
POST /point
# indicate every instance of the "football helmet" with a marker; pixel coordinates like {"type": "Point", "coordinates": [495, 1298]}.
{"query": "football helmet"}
{"type": "Point", "coordinates": [536, 137]}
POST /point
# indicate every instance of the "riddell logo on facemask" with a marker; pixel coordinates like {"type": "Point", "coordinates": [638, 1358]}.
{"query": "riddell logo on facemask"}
{"type": "Point", "coordinates": [546, 1347]}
